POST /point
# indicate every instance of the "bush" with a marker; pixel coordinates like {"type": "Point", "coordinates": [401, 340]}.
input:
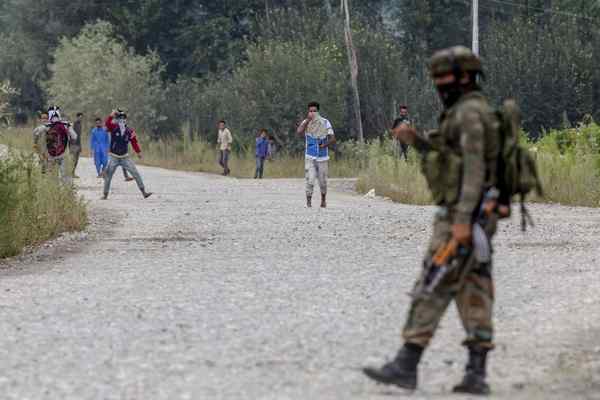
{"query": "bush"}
{"type": "Point", "coordinates": [272, 90]}
{"type": "Point", "coordinates": [34, 207]}
{"type": "Point", "coordinates": [94, 73]}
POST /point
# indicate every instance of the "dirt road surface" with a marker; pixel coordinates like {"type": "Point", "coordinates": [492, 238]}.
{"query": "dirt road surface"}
{"type": "Point", "coordinates": [219, 288]}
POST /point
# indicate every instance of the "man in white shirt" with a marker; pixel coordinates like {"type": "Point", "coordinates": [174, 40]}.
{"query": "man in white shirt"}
{"type": "Point", "coordinates": [224, 140]}
{"type": "Point", "coordinates": [318, 134]}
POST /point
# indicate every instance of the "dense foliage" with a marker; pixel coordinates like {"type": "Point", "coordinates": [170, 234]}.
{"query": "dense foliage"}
{"type": "Point", "coordinates": [256, 62]}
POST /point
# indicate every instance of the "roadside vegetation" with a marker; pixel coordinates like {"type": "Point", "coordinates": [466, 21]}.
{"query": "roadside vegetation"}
{"type": "Point", "coordinates": [34, 207]}
{"type": "Point", "coordinates": [568, 161]}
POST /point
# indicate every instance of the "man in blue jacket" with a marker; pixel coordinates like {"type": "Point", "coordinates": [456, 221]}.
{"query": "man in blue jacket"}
{"type": "Point", "coordinates": [99, 144]}
{"type": "Point", "coordinates": [318, 134]}
{"type": "Point", "coordinates": [262, 151]}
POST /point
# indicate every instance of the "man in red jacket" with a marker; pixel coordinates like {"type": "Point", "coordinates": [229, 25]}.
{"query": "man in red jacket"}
{"type": "Point", "coordinates": [120, 137]}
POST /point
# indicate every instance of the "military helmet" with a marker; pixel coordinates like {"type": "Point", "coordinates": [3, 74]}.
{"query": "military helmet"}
{"type": "Point", "coordinates": [455, 60]}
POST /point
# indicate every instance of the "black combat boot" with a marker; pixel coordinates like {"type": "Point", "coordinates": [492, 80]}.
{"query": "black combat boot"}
{"type": "Point", "coordinates": [474, 379]}
{"type": "Point", "coordinates": [323, 200]}
{"type": "Point", "coordinates": [402, 371]}
{"type": "Point", "coordinates": [309, 201]}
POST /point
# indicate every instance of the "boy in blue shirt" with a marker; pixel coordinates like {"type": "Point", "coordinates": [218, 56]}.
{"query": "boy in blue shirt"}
{"type": "Point", "coordinates": [99, 144]}
{"type": "Point", "coordinates": [318, 134]}
{"type": "Point", "coordinates": [262, 151]}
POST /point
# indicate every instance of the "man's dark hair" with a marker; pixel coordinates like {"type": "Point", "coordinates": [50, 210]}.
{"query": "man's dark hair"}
{"type": "Point", "coordinates": [403, 107]}
{"type": "Point", "coordinates": [221, 120]}
{"type": "Point", "coordinates": [314, 104]}
{"type": "Point", "coordinates": [79, 114]}
{"type": "Point", "coordinates": [397, 122]}
{"type": "Point", "coordinates": [263, 130]}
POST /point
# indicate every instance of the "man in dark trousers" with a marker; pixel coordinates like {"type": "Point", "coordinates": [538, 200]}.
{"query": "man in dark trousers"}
{"type": "Point", "coordinates": [403, 118]}
{"type": "Point", "coordinates": [262, 151]}
{"type": "Point", "coordinates": [75, 145]}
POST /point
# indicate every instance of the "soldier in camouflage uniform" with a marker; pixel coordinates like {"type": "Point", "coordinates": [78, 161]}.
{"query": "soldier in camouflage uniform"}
{"type": "Point", "coordinates": [459, 162]}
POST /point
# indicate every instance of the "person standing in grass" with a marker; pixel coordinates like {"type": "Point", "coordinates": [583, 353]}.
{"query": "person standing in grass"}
{"type": "Point", "coordinates": [120, 137]}
{"type": "Point", "coordinates": [39, 139]}
{"type": "Point", "coordinates": [224, 140]}
{"type": "Point", "coordinates": [318, 134]}
{"type": "Point", "coordinates": [75, 145]}
{"type": "Point", "coordinates": [403, 118]}
{"type": "Point", "coordinates": [99, 145]}
{"type": "Point", "coordinates": [262, 152]}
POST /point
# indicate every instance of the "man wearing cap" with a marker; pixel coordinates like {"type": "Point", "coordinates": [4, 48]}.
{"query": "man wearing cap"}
{"type": "Point", "coordinates": [120, 137]}
{"type": "Point", "coordinates": [459, 161]}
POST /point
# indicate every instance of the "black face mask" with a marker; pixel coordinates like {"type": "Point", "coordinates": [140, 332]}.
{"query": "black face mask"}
{"type": "Point", "coordinates": [449, 94]}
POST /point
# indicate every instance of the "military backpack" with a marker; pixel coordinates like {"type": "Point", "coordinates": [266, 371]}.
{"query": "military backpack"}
{"type": "Point", "coordinates": [517, 174]}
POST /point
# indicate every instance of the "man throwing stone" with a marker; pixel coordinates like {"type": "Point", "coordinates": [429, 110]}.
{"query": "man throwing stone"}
{"type": "Point", "coordinates": [460, 163]}
{"type": "Point", "coordinates": [318, 134]}
{"type": "Point", "coordinates": [120, 137]}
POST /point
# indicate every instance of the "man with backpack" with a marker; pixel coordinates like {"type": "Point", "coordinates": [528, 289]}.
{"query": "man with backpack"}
{"type": "Point", "coordinates": [52, 139]}
{"type": "Point", "coordinates": [460, 165]}
{"type": "Point", "coordinates": [120, 137]}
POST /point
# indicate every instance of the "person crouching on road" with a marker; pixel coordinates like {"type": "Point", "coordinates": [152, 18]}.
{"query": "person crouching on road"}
{"type": "Point", "coordinates": [120, 137]}
{"type": "Point", "coordinates": [262, 151]}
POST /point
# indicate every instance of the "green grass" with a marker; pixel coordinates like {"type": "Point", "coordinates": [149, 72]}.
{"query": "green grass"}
{"type": "Point", "coordinates": [34, 207]}
{"type": "Point", "coordinates": [568, 162]}
{"type": "Point", "coordinates": [203, 157]}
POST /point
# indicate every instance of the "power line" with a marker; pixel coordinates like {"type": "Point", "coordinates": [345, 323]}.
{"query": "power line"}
{"type": "Point", "coordinates": [547, 11]}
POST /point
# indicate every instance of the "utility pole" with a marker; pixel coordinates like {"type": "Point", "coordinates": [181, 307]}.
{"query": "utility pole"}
{"type": "Point", "coordinates": [353, 63]}
{"type": "Point", "coordinates": [475, 19]}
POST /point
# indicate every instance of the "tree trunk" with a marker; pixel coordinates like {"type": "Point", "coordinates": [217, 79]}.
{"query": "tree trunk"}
{"type": "Point", "coordinates": [353, 63]}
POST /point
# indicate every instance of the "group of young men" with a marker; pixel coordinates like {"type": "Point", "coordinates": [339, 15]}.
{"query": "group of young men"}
{"type": "Point", "coordinates": [460, 170]}
{"type": "Point", "coordinates": [264, 149]}
{"type": "Point", "coordinates": [109, 144]}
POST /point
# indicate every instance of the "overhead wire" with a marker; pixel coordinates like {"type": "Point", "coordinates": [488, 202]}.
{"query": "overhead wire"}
{"type": "Point", "coordinates": [544, 10]}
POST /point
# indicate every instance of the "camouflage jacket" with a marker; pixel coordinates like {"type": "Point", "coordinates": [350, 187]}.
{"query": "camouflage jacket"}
{"type": "Point", "coordinates": [459, 159]}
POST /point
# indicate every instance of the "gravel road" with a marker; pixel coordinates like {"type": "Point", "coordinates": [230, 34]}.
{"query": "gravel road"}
{"type": "Point", "coordinates": [219, 288]}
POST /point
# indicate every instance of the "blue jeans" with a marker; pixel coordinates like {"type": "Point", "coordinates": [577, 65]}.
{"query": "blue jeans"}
{"type": "Point", "coordinates": [260, 167]}
{"type": "Point", "coordinates": [128, 166]}
{"type": "Point", "coordinates": [224, 161]}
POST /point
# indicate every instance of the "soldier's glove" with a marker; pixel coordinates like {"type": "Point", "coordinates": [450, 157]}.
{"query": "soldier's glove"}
{"type": "Point", "coordinates": [462, 234]}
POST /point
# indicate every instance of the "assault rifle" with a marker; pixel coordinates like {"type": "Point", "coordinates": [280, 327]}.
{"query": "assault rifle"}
{"type": "Point", "coordinates": [453, 255]}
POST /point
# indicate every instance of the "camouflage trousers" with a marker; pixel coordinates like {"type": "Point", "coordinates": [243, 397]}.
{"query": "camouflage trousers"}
{"type": "Point", "coordinates": [471, 287]}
